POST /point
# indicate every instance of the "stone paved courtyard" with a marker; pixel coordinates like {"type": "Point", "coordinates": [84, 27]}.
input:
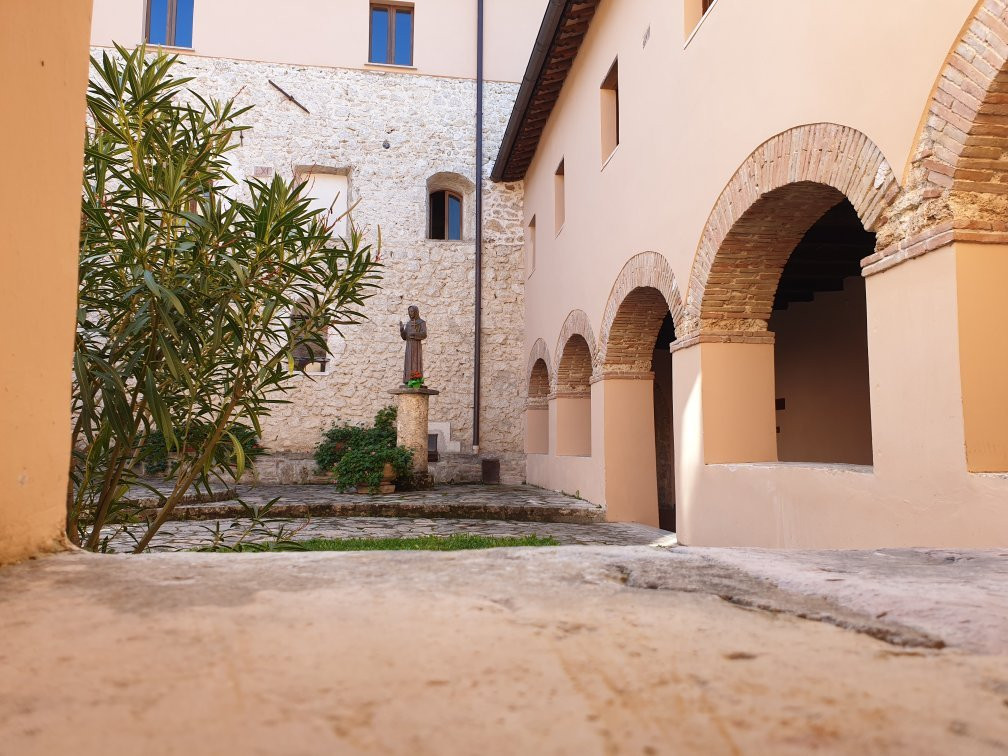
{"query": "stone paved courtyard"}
{"type": "Point", "coordinates": [516, 503]}
{"type": "Point", "coordinates": [319, 511]}
{"type": "Point", "coordinates": [498, 510]}
{"type": "Point", "coordinates": [181, 536]}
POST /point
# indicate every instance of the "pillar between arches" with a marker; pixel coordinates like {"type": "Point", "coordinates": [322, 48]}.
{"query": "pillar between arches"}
{"type": "Point", "coordinates": [631, 477]}
{"type": "Point", "coordinates": [737, 395]}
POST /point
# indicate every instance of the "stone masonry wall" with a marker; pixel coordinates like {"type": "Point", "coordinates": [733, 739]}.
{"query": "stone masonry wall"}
{"type": "Point", "coordinates": [429, 124]}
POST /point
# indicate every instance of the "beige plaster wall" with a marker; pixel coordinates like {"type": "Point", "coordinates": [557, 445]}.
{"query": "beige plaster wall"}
{"type": "Point", "coordinates": [821, 373]}
{"type": "Point", "coordinates": [537, 431]}
{"type": "Point", "coordinates": [982, 278]}
{"type": "Point", "coordinates": [681, 129]}
{"type": "Point", "coordinates": [576, 475]}
{"type": "Point", "coordinates": [738, 408]}
{"type": "Point", "coordinates": [631, 478]}
{"type": "Point", "coordinates": [918, 493]}
{"type": "Point", "coordinates": [336, 32]}
{"type": "Point", "coordinates": [573, 426]}
{"type": "Point", "coordinates": [43, 53]}
{"type": "Point", "coordinates": [690, 115]}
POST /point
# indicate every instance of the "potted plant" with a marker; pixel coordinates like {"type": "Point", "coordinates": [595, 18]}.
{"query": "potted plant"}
{"type": "Point", "coordinates": [335, 442]}
{"type": "Point", "coordinates": [416, 380]}
{"type": "Point", "coordinates": [373, 467]}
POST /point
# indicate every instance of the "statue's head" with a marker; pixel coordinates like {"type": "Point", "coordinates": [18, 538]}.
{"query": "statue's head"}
{"type": "Point", "coordinates": [414, 312]}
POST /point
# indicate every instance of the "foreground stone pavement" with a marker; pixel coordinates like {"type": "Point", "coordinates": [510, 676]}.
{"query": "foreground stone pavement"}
{"type": "Point", "coordinates": [577, 650]}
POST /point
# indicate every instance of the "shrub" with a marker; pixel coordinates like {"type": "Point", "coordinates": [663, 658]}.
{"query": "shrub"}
{"type": "Point", "coordinates": [358, 455]}
{"type": "Point", "coordinates": [339, 438]}
{"type": "Point", "coordinates": [334, 444]}
{"type": "Point", "coordinates": [364, 464]}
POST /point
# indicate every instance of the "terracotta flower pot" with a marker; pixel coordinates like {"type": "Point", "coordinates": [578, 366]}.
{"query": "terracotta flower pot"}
{"type": "Point", "coordinates": [387, 484]}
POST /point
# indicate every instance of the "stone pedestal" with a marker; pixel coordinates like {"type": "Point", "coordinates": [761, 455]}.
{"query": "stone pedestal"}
{"type": "Point", "coordinates": [411, 422]}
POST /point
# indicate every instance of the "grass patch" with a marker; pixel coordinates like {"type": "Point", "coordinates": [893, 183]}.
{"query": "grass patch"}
{"type": "Point", "coordinates": [454, 542]}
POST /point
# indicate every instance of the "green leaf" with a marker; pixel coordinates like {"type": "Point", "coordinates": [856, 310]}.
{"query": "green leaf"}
{"type": "Point", "coordinates": [239, 454]}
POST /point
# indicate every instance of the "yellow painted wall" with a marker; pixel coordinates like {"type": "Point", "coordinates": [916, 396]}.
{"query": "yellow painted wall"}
{"type": "Point", "coordinates": [738, 403]}
{"type": "Point", "coordinates": [43, 54]}
{"type": "Point", "coordinates": [335, 32]}
{"type": "Point", "coordinates": [982, 278]}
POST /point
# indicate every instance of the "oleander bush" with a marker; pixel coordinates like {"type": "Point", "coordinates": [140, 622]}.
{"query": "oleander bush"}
{"type": "Point", "coordinates": [187, 283]}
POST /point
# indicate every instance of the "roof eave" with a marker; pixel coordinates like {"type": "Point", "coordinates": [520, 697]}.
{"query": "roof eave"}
{"type": "Point", "coordinates": [557, 14]}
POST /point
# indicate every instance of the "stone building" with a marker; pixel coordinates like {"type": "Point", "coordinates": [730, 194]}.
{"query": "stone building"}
{"type": "Point", "coordinates": [765, 269]}
{"type": "Point", "coordinates": [375, 104]}
{"type": "Point", "coordinates": [743, 283]}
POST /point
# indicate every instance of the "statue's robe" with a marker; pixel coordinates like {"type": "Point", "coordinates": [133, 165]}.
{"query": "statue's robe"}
{"type": "Point", "coordinates": [413, 333]}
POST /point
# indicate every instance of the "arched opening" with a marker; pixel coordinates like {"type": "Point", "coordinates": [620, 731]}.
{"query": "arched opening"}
{"type": "Point", "coordinates": [784, 302]}
{"type": "Point", "coordinates": [573, 399]}
{"type": "Point", "coordinates": [821, 345]}
{"type": "Point", "coordinates": [537, 411]}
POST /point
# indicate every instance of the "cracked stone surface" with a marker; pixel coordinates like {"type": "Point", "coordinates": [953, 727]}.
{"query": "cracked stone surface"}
{"type": "Point", "coordinates": [577, 649]}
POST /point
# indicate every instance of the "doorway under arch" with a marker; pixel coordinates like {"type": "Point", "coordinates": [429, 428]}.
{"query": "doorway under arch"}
{"type": "Point", "coordinates": [819, 320]}
{"type": "Point", "coordinates": [786, 378]}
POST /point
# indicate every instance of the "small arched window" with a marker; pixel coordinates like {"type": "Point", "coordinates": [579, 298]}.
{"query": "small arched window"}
{"type": "Point", "coordinates": [445, 215]}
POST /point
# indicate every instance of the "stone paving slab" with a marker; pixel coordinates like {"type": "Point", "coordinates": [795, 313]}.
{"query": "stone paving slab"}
{"type": "Point", "coordinates": [186, 535]}
{"type": "Point", "coordinates": [510, 503]}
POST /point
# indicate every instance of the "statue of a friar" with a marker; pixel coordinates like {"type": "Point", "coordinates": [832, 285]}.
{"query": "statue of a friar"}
{"type": "Point", "coordinates": [413, 332]}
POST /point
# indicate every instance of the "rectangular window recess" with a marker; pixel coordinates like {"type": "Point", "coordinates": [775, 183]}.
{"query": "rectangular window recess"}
{"type": "Point", "coordinates": [531, 259]}
{"type": "Point", "coordinates": [169, 23]}
{"type": "Point", "coordinates": [695, 12]}
{"type": "Point", "coordinates": [391, 35]}
{"type": "Point", "coordinates": [559, 200]}
{"type": "Point", "coordinates": [610, 158]}
{"type": "Point", "coordinates": [609, 109]}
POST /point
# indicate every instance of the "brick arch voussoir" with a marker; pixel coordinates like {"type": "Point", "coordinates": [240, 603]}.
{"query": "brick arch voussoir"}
{"type": "Point", "coordinates": [957, 183]}
{"type": "Point", "coordinates": [645, 289]}
{"type": "Point", "coordinates": [537, 393]}
{"type": "Point", "coordinates": [776, 195]}
{"type": "Point", "coordinates": [570, 372]}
